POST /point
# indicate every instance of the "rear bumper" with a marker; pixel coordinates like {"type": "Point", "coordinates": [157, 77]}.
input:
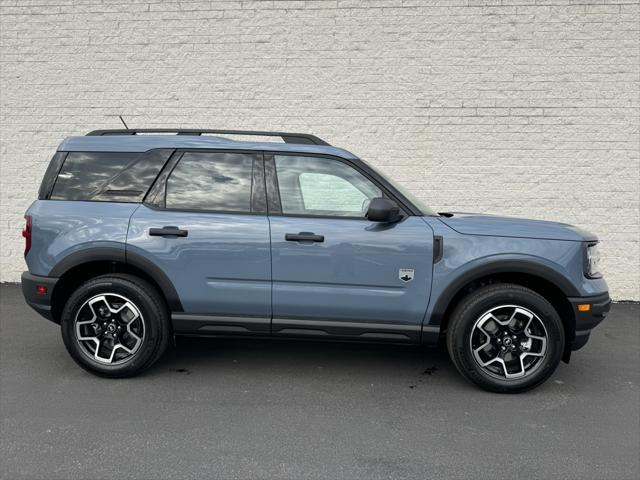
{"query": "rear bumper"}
{"type": "Point", "coordinates": [587, 321]}
{"type": "Point", "coordinates": [40, 302]}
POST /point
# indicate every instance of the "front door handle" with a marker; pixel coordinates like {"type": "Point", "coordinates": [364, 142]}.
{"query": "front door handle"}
{"type": "Point", "coordinates": [303, 237]}
{"type": "Point", "coordinates": [168, 232]}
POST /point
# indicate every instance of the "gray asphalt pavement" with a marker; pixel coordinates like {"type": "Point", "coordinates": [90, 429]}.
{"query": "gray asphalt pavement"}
{"type": "Point", "coordinates": [259, 409]}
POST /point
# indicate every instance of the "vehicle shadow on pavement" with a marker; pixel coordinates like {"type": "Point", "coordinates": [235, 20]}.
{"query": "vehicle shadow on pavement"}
{"type": "Point", "coordinates": [408, 364]}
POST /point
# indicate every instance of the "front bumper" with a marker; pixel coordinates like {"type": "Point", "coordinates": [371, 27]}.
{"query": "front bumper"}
{"type": "Point", "coordinates": [586, 321]}
{"type": "Point", "coordinates": [40, 302]}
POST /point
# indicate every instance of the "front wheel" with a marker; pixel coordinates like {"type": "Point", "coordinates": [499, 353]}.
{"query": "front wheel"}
{"type": "Point", "coordinates": [115, 325]}
{"type": "Point", "coordinates": [505, 338]}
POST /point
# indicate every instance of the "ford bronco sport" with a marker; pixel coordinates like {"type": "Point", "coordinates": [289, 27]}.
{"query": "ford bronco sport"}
{"type": "Point", "coordinates": [140, 235]}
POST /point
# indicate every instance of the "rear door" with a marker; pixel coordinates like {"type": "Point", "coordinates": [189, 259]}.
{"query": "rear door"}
{"type": "Point", "coordinates": [204, 225]}
{"type": "Point", "coordinates": [335, 273]}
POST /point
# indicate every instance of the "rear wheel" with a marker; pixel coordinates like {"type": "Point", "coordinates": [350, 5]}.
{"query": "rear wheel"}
{"type": "Point", "coordinates": [115, 325]}
{"type": "Point", "coordinates": [505, 338]}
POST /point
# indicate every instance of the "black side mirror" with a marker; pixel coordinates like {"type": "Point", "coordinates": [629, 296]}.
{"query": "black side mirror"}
{"type": "Point", "coordinates": [383, 210]}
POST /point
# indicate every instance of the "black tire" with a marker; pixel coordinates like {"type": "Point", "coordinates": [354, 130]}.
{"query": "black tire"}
{"type": "Point", "coordinates": [154, 316]}
{"type": "Point", "coordinates": [474, 307]}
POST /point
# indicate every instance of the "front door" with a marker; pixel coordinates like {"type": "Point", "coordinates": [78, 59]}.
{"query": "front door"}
{"type": "Point", "coordinates": [336, 274]}
{"type": "Point", "coordinates": [204, 225]}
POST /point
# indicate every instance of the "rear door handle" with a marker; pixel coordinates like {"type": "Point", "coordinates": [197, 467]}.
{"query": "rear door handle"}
{"type": "Point", "coordinates": [168, 232]}
{"type": "Point", "coordinates": [303, 237]}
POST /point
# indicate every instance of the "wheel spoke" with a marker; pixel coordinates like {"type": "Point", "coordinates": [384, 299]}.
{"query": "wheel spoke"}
{"type": "Point", "coordinates": [506, 370]}
{"type": "Point", "coordinates": [103, 359]}
{"type": "Point", "coordinates": [531, 354]}
{"type": "Point", "coordinates": [538, 338]}
{"type": "Point", "coordinates": [481, 348]}
{"type": "Point", "coordinates": [485, 322]}
{"type": "Point", "coordinates": [127, 306]}
{"type": "Point", "coordinates": [512, 317]}
{"type": "Point", "coordinates": [535, 337]}
{"type": "Point", "coordinates": [522, 372]}
{"type": "Point", "coordinates": [138, 339]}
{"type": "Point", "coordinates": [518, 374]}
{"type": "Point", "coordinates": [526, 313]}
{"type": "Point", "coordinates": [492, 360]}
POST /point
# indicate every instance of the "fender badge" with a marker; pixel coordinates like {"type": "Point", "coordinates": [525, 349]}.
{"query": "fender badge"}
{"type": "Point", "coordinates": [405, 274]}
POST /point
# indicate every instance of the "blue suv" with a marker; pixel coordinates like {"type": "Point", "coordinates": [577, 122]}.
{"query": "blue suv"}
{"type": "Point", "coordinates": [141, 235]}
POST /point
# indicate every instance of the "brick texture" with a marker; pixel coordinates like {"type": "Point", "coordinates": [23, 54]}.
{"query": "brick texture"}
{"type": "Point", "coordinates": [517, 107]}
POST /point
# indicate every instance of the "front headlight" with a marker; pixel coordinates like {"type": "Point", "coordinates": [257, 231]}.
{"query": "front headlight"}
{"type": "Point", "coordinates": [592, 264]}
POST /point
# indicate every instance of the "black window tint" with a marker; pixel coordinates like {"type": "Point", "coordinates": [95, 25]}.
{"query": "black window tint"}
{"type": "Point", "coordinates": [108, 176]}
{"type": "Point", "coordinates": [50, 175]}
{"type": "Point", "coordinates": [211, 181]}
{"type": "Point", "coordinates": [132, 183]}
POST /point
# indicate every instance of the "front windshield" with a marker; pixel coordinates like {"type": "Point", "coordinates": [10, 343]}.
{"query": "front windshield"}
{"type": "Point", "coordinates": [419, 204]}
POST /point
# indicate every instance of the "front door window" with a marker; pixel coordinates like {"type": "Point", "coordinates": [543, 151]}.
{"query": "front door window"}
{"type": "Point", "coordinates": [322, 187]}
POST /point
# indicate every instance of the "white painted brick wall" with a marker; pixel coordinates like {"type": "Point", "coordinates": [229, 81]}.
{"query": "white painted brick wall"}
{"type": "Point", "coordinates": [516, 107]}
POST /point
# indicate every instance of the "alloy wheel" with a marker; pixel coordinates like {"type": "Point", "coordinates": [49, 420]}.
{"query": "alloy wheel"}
{"type": "Point", "coordinates": [509, 342]}
{"type": "Point", "coordinates": [109, 328]}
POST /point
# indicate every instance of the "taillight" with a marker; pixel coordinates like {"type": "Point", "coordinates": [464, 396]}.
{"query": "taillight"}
{"type": "Point", "coordinates": [26, 233]}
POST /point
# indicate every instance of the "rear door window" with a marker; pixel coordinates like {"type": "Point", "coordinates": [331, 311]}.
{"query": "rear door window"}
{"type": "Point", "coordinates": [108, 176]}
{"type": "Point", "coordinates": [213, 181]}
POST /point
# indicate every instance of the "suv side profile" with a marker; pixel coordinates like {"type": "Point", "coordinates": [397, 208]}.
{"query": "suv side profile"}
{"type": "Point", "coordinates": [141, 235]}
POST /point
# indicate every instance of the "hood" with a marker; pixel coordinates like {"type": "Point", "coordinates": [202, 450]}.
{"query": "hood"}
{"type": "Point", "coordinates": [478, 224]}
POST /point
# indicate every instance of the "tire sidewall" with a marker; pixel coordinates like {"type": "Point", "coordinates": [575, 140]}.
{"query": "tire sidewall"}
{"type": "Point", "coordinates": [482, 303]}
{"type": "Point", "coordinates": [139, 297]}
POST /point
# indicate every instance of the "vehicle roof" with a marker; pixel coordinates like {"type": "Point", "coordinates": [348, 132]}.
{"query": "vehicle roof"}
{"type": "Point", "coordinates": [142, 143]}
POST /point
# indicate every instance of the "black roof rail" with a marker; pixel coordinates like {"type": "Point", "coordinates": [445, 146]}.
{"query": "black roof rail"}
{"type": "Point", "coordinates": [299, 138]}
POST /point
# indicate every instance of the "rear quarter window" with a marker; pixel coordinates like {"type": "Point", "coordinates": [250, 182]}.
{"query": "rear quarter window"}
{"type": "Point", "coordinates": [108, 176]}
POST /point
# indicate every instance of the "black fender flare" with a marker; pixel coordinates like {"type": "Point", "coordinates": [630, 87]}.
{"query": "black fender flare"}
{"type": "Point", "coordinates": [496, 267]}
{"type": "Point", "coordinates": [119, 255]}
